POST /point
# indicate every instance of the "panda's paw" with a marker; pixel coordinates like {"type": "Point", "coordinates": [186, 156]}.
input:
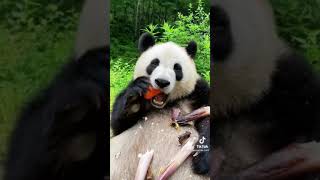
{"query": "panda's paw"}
{"type": "Point", "coordinates": [200, 163]}
{"type": "Point", "coordinates": [137, 89]}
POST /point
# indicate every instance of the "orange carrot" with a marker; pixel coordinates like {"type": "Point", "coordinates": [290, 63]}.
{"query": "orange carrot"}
{"type": "Point", "coordinates": [151, 92]}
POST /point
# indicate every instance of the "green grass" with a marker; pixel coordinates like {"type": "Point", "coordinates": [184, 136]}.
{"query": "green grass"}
{"type": "Point", "coordinates": [123, 59]}
{"type": "Point", "coordinates": [120, 75]}
{"type": "Point", "coordinates": [27, 63]}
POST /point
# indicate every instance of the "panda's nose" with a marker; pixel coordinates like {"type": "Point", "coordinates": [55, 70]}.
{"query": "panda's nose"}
{"type": "Point", "coordinates": [162, 83]}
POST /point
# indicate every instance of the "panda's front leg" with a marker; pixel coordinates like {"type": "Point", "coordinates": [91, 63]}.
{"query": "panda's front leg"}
{"type": "Point", "coordinates": [201, 162]}
{"type": "Point", "coordinates": [130, 105]}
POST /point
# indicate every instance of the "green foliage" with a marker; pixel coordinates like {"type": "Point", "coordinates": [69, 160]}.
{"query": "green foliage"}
{"type": "Point", "coordinates": [136, 14]}
{"type": "Point", "coordinates": [38, 15]}
{"type": "Point", "coordinates": [120, 75]}
{"type": "Point", "coordinates": [26, 68]}
{"type": "Point", "coordinates": [123, 59]}
{"type": "Point", "coordinates": [36, 39]}
{"type": "Point", "coordinates": [299, 23]}
{"type": "Point", "coordinates": [193, 26]}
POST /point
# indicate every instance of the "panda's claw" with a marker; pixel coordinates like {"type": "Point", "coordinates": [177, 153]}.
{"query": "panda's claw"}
{"type": "Point", "coordinates": [142, 84]}
{"type": "Point", "coordinates": [138, 87]}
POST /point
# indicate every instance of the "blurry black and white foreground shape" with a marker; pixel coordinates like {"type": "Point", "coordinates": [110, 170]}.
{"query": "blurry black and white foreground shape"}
{"type": "Point", "coordinates": [61, 132]}
{"type": "Point", "coordinates": [265, 98]}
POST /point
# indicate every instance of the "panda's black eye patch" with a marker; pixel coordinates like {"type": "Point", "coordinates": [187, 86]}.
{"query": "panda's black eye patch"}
{"type": "Point", "coordinates": [178, 70]}
{"type": "Point", "coordinates": [153, 64]}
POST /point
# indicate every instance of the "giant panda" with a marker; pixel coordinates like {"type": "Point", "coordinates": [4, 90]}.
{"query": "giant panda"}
{"type": "Point", "coordinates": [140, 125]}
{"type": "Point", "coordinates": [60, 132]}
{"type": "Point", "coordinates": [265, 97]}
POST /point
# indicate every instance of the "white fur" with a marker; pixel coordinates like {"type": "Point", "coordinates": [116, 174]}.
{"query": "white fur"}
{"type": "Point", "coordinates": [169, 53]}
{"type": "Point", "coordinates": [245, 76]}
{"type": "Point", "coordinates": [166, 73]}
{"type": "Point", "coordinates": [93, 29]}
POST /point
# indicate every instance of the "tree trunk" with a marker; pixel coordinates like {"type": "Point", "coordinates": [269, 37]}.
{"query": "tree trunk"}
{"type": "Point", "coordinates": [137, 19]}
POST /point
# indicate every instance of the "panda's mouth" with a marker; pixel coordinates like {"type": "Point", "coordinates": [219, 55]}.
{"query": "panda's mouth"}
{"type": "Point", "coordinates": [160, 100]}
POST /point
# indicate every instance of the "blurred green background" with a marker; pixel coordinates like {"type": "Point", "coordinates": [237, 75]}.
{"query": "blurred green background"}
{"type": "Point", "coordinates": [36, 39]}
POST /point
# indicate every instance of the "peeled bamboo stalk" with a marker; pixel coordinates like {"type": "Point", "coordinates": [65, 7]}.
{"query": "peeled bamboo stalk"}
{"type": "Point", "coordinates": [175, 163]}
{"type": "Point", "coordinates": [194, 115]}
{"type": "Point", "coordinates": [144, 163]}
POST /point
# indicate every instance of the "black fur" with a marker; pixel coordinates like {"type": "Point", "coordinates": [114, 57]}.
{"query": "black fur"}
{"type": "Point", "coordinates": [178, 70]}
{"type": "Point", "coordinates": [74, 104]}
{"type": "Point", "coordinates": [200, 97]}
{"type": "Point", "coordinates": [201, 162]}
{"type": "Point", "coordinates": [287, 113]}
{"type": "Point", "coordinates": [192, 49]}
{"type": "Point", "coordinates": [222, 43]}
{"type": "Point", "coordinates": [146, 41]}
{"type": "Point", "coordinates": [152, 66]}
{"type": "Point", "coordinates": [122, 116]}
{"type": "Point", "coordinates": [293, 99]}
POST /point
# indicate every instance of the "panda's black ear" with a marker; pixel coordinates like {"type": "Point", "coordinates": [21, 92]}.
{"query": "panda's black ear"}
{"type": "Point", "coordinates": [146, 41]}
{"type": "Point", "coordinates": [192, 49]}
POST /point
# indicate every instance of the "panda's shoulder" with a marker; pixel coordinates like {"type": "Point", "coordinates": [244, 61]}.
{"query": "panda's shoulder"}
{"type": "Point", "coordinates": [294, 86]}
{"type": "Point", "coordinates": [293, 72]}
{"type": "Point", "coordinates": [200, 94]}
{"type": "Point", "coordinates": [93, 65]}
{"type": "Point", "coordinates": [86, 75]}
{"type": "Point", "coordinates": [201, 86]}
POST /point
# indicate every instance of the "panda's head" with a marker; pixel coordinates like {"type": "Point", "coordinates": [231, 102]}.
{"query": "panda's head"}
{"type": "Point", "coordinates": [245, 48]}
{"type": "Point", "coordinates": [170, 67]}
